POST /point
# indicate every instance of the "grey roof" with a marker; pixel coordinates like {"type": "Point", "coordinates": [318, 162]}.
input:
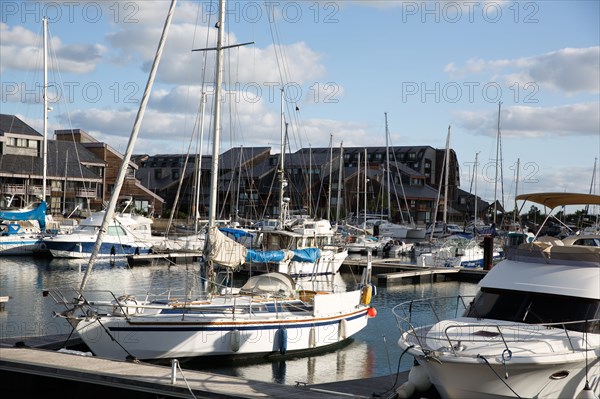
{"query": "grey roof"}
{"type": "Point", "coordinates": [12, 124]}
{"type": "Point", "coordinates": [417, 192]}
{"type": "Point", "coordinates": [304, 158]}
{"type": "Point", "coordinates": [63, 157]}
{"type": "Point", "coordinates": [231, 158]}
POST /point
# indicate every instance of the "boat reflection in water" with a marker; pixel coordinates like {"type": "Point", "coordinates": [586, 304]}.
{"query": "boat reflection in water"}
{"type": "Point", "coordinates": [337, 363]}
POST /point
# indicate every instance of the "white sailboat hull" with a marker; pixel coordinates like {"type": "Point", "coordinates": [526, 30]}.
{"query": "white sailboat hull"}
{"type": "Point", "coordinates": [166, 332]}
{"type": "Point", "coordinates": [20, 245]}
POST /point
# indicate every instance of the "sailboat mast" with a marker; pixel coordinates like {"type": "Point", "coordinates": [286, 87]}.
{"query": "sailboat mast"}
{"type": "Point", "coordinates": [497, 160]}
{"type": "Point", "coordinates": [339, 188]}
{"type": "Point", "coordinates": [282, 182]}
{"type": "Point", "coordinates": [357, 187]}
{"type": "Point", "coordinates": [212, 207]}
{"type": "Point", "coordinates": [446, 169]}
{"type": "Point", "coordinates": [515, 213]}
{"type": "Point", "coordinates": [310, 166]}
{"type": "Point", "coordinates": [475, 183]}
{"type": "Point", "coordinates": [330, 172]}
{"type": "Point", "coordinates": [199, 163]}
{"type": "Point", "coordinates": [365, 208]}
{"type": "Point", "coordinates": [387, 156]}
{"type": "Point", "coordinates": [45, 95]}
{"type": "Point", "coordinates": [112, 204]}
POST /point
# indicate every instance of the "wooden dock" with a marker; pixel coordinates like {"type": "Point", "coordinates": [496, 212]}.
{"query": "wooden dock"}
{"type": "Point", "coordinates": [389, 271]}
{"type": "Point", "coordinates": [163, 258]}
{"type": "Point", "coordinates": [415, 276]}
{"type": "Point", "coordinates": [142, 377]}
{"type": "Point", "coordinates": [36, 369]}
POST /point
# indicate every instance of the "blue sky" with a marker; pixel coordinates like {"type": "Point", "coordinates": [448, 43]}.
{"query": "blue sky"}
{"type": "Point", "coordinates": [344, 64]}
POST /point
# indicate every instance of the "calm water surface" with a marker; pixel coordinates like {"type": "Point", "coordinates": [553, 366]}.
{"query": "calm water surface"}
{"type": "Point", "coordinates": [372, 352]}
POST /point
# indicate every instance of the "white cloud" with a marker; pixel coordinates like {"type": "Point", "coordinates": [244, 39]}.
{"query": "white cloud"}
{"type": "Point", "coordinates": [181, 65]}
{"type": "Point", "coordinates": [581, 119]}
{"type": "Point", "coordinates": [21, 49]}
{"type": "Point", "coordinates": [570, 70]}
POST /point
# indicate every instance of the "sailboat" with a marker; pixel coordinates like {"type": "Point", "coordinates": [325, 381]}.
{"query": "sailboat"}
{"type": "Point", "coordinates": [389, 229]}
{"type": "Point", "coordinates": [301, 246]}
{"type": "Point", "coordinates": [21, 230]}
{"type": "Point", "coordinates": [270, 314]}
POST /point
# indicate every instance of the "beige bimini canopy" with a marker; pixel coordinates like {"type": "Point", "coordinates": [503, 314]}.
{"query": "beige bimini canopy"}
{"type": "Point", "coordinates": [552, 200]}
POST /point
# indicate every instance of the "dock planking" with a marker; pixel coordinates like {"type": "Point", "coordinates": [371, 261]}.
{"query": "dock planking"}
{"type": "Point", "coordinates": [148, 378]}
{"type": "Point", "coordinates": [172, 258]}
{"type": "Point", "coordinates": [389, 271]}
{"type": "Point", "coordinates": [415, 275]}
{"type": "Point", "coordinates": [34, 362]}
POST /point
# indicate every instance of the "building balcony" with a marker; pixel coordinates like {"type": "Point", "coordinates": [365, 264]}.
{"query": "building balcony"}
{"type": "Point", "coordinates": [86, 192]}
{"type": "Point", "coordinates": [38, 191]}
{"type": "Point", "coordinates": [13, 189]}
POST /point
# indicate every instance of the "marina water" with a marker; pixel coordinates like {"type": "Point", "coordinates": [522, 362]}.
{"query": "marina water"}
{"type": "Point", "coordinates": [373, 352]}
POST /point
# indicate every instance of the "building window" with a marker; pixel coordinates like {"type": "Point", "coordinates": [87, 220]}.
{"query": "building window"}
{"type": "Point", "coordinates": [175, 174]}
{"type": "Point", "coordinates": [412, 156]}
{"type": "Point", "coordinates": [17, 142]}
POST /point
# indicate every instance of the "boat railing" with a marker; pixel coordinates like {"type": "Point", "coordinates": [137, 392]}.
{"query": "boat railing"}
{"type": "Point", "coordinates": [71, 297]}
{"type": "Point", "coordinates": [93, 303]}
{"type": "Point", "coordinates": [415, 320]}
{"type": "Point", "coordinates": [525, 333]}
{"type": "Point", "coordinates": [406, 311]}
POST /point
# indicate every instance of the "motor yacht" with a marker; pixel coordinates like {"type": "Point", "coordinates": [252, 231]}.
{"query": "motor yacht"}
{"type": "Point", "coordinates": [531, 331]}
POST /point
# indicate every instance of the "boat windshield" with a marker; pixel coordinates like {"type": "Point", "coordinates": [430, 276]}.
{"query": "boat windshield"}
{"type": "Point", "coordinates": [86, 229]}
{"type": "Point", "coordinates": [536, 308]}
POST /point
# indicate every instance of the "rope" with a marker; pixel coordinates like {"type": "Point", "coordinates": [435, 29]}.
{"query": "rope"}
{"type": "Point", "coordinates": [185, 380]}
{"type": "Point", "coordinates": [499, 377]}
{"type": "Point", "coordinates": [397, 374]}
{"type": "Point", "coordinates": [130, 357]}
{"type": "Point", "coordinates": [64, 345]}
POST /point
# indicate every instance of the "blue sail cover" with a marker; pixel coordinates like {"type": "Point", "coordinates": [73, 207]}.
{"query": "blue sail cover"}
{"type": "Point", "coordinates": [276, 256]}
{"type": "Point", "coordinates": [306, 255]}
{"type": "Point", "coordinates": [236, 233]}
{"type": "Point", "coordinates": [38, 213]}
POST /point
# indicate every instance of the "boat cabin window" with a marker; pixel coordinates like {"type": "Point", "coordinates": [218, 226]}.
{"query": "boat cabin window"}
{"type": "Point", "coordinates": [535, 308]}
{"type": "Point", "coordinates": [85, 229]}
{"type": "Point", "coordinates": [116, 231]}
{"type": "Point", "coordinates": [590, 242]}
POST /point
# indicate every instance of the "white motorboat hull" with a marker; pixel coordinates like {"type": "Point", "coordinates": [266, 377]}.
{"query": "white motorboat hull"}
{"type": "Point", "coordinates": [77, 246]}
{"type": "Point", "coordinates": [461, 378]}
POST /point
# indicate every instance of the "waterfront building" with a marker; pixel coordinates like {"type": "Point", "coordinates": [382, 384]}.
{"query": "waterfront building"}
{"type": "Point", "coordinates": [81, 172]}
